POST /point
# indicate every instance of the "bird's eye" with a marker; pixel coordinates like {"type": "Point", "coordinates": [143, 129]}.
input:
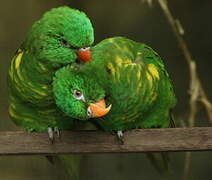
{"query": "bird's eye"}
{"type": "Point", "coordinates": [84, 48]}
{"type": "Point", "coordinates": [66, 44]}
{"type": "Point", "coordinates": [78, 95]}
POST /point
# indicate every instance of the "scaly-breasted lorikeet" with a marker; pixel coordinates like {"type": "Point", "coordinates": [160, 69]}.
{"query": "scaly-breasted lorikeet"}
{"type": "Point", "coordinates": [125, 86]}
{"type": "Point", "coordinates": [128, 75]}
{"type": "Point", "coordinates": [53, 42]}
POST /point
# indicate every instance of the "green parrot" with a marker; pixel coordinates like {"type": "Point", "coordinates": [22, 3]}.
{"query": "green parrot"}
{"type": "Point", "coordinates": [128, 77]}
{"type": "Point", "coordinates": [124, 86]}
{"type": "Point", "coordinates": [54, 41]}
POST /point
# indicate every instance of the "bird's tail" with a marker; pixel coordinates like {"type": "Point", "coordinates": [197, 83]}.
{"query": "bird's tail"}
{"type": "Point", "coordinates": [68, 165]}
{"type": "Point", "coordinates": [161, 163]}
{"type": "Point", "coordinates": [72, 165]}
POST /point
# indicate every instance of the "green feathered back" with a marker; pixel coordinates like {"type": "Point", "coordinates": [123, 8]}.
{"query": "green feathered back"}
{"type": "Point", "coordinates": [138, 87]}
{"type": "Point", "coordinates": [134, 81]}
{"type": "Point", "coordinates": [51, 44]}
{"type": "Point", "coordinates": [136, 84]}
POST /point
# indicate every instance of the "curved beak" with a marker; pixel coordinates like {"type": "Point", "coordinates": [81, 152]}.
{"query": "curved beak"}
{"type": "Point", "coordinates": [98, 109]}
{"type": "Point", "coordinates": [84, 54]}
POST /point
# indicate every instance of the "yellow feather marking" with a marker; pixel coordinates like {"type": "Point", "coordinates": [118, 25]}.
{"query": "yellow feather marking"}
{"type": "Point", "coordinates": [118, 60]}
{"type": "Point", "coordinates": [12, 105]}
{"type": "Point", "coordinates": [39, 92]}
{"type": "Point", "coordinates": [12, 113]}
{"type": "Point", "coordinates": [16, 63]}
{"type": "Point", "coordinates": [31, 86]}
{"type": "Point", "coordinates": [154, 96]}
{"type": "Point", "coordinates": [45, 87]}
{"type": "Point", "coordinates": [139, 85]}
{"type": "Point", "coordinates": [18, 59]}
{"type": "Point", "coordinates": [110, 40]}
{"type": "Point", "coordinates": [47, 111]}
{"type": "Point", "coordinates": [111, 68]}
{"type": "Point", "coordinates": [122, 62]}
{"type": "Point", "coordinates": [153, 70]}
{"type": "Point", "coordinates": [133, 64]}
{"type": "Point", "coordinates": [11, 68]}
{"type": "Point", "coordinates": [43, 68]}
{"type": "Point", "coordinates": [138, 74]}
{"type": "Point", "coordinates": [149, 77]}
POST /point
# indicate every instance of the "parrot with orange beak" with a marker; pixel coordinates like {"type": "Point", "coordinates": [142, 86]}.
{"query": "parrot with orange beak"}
{"type": "Point", "coordinates": [134, 82]}
{"type": "Point", "coordinates": [123, 86]}
{"type": "Point", "coordinates": [130, 86]}
{"type": "Point", "coordinates": [79, 95]}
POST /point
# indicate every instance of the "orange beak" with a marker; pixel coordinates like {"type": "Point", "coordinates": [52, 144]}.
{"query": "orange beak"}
{"type": "Point", "coordinates": [84, 54]}
{"type": "Point", "coordinates": [98, 109]}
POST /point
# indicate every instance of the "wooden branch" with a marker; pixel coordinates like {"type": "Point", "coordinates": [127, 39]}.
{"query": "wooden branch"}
{"type": "Point", "coordinates": [143, 140]}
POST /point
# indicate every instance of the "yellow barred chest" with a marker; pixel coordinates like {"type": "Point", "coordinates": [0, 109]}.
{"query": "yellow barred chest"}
{"type": "Point", "coordinates": [135, 84]}
{"type": "Point", "coordinates": [20, 81]}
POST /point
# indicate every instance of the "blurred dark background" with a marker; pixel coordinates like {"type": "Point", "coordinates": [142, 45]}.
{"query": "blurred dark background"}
{"type": "Point", "coordinates": [136, 21]}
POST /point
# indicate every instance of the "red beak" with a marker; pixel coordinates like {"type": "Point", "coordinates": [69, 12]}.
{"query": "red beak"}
{"type": "Point", "coordinates": [84, 54]}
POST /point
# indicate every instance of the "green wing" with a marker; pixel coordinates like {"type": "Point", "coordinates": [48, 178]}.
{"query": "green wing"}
{"type": "Point", "coordinates": [138, 86]}
{"type": "Point", "coordinates": [30, 95]}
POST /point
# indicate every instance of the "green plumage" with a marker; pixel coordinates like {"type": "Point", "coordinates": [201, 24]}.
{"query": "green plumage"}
{"type": "Point", "coordinates": [44, 76]}
{"type": "Point", "coordinates": [130, 75]}
{"type": "Point", "coordinates": [139, 87]}
{"type": "Point", "coordinates": [51, 44]}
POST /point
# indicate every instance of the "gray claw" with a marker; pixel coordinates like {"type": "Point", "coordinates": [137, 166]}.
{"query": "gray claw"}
{"type": "Point", "coordinates": [51, 134]}
{"type": "Point", "coordinates": [120, 136]}
{"type": "Point", "coordinates": [57, 131]}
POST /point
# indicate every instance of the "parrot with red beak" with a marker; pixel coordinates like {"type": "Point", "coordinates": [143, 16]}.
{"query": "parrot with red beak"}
{"type": "Point", "coordinates": [56, 40]}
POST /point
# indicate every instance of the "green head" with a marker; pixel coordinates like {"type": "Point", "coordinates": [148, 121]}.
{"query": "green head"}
{"type": "Point", "coordinates": [58, 34]}
{"type": "Point", "coordinates": [78, 95]}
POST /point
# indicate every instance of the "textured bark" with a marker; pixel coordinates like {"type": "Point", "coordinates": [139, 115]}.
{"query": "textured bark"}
{"type": "Point", "coordinates": [144, 140]}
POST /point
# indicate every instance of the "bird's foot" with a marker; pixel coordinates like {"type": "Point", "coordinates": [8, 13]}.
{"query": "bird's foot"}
{"type": "Point", "coordinates": [51, 132]}
{"type": "Point", "coordinates": [57, 131]}
{"type": "Point", "coordinates": [120, 136]}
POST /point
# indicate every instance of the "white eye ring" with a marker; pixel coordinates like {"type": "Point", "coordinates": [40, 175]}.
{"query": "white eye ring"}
{"type": "Point", "coordinates": [84, 48]}
{"type": "Point", "coordinates": [78, 95]}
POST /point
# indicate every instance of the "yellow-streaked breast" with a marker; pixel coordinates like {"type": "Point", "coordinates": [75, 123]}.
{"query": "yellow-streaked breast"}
{"type": "Point", "coordinates": [153, 70]}
{"type": "Point", "coordinates": [18, 58]}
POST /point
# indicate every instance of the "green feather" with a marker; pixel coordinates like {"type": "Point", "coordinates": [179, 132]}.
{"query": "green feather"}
{"type": "Point", "coordinates": [50, 44]}
{"type": "Point", "coordinates": [139, 87]}
{"type": "Point", "coordinates": [131, 77]}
